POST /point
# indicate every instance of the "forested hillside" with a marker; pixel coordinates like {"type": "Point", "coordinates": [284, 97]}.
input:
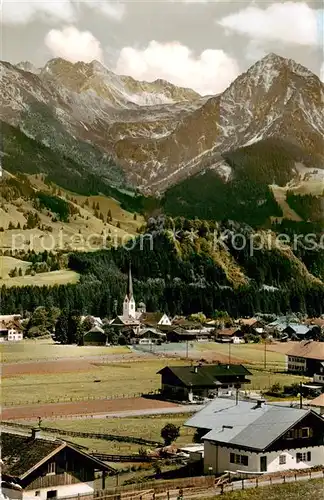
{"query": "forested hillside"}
{"type": "Point", "coordinates": [183, 268]}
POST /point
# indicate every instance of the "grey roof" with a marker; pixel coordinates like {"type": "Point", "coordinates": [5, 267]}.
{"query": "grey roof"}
{"type": "Point", "coordinates": [245, 424]}
{"type": "Point", "coordinates": [300, 329]}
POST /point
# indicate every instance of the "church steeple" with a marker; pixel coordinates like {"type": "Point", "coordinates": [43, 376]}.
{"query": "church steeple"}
{"type": "Point", "coordinates": [129, 302]}
{"type": "Point", "coordinates": [130, 283]}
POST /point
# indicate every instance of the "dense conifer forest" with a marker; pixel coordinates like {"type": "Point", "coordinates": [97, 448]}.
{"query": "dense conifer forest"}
{"type": "Point", "coordinates": [180, 268]}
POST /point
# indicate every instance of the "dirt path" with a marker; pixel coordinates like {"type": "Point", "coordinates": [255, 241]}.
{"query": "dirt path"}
{"type": "Point", "coordinates": [280, 196]}
{"type": "Point", "coordinates": [65, 365]}
{"type": "Point", "coordinates": [94, 407]}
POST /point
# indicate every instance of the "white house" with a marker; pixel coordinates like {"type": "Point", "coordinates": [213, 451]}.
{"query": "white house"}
{"type": "Point", "coordinates": [253, 437]}
{"type": "Point", "coordinates": [39, 469]}
{"type": "Point", "coordinates": [10, 331]}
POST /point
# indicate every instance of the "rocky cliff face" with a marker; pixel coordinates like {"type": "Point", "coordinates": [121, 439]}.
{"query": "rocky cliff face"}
{"type": "Point", "coordinates": [159, 133]}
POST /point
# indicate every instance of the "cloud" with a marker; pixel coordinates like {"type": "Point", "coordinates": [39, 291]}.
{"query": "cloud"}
{"type": "Point", "coordinates": [113, 10]}
{"type": "Point", "coordinates": [74, 45]}
{"type": "Point", "coordinates": [288, 22]}
{"type": "Point", "coordinates": [209, 73]}
{"type": "Point", "coordinates": [25, 11]}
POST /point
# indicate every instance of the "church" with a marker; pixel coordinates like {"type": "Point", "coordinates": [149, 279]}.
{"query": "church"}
{"type": "Point", "coordinates": [137, 319]}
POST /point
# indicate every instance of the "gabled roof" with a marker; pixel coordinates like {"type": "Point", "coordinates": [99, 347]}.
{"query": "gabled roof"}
{"type": "Point", "coordinates": [155, 331]}
{"type": "Point", "coordinates": [205, 375]}
{"type": "Point", "coordinates": [228, 332]}
{"type": "Point", "coordinates": [125, 320]}
{"type": "Point", "coordinates": [151, 318]}
{"type": "Point", "coordinates": [95, 329]}
{"type": "Point", "coordinates": [248, 321]}
{"type": "Point", "coordinates": [246, 424]}
{"type": "Point", "coordinates": [22, 454]}
{"type": "Point", "coordinates": [309, 349]}
{"type": "Point", "coordinates": [299, 329]}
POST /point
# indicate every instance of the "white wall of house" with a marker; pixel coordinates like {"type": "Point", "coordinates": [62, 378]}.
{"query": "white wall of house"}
{"type": "Point", "coordinates": [165, 320]}
{"type": "Point", "coordinates": [318, 378]}
{"type": "Point", "coordinates": [62, 491]}
{"type": "Point", "coordinates": [14, 335]}
{"type": "Point", "coordinates": [217, 458]}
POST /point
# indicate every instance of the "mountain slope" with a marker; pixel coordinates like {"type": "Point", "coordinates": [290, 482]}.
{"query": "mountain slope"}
{"type": "Point", "coordinates": [156, 134]}
{"type": "Point", "coordinates": [274, 98]}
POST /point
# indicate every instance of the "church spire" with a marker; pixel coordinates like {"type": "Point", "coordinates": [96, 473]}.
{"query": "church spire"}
{"type": "Point", "coordinates": [130, 283]}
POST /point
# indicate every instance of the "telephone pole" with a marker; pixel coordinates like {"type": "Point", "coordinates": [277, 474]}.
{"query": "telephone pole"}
{"type": "Point", "coordinates": [265, 354]}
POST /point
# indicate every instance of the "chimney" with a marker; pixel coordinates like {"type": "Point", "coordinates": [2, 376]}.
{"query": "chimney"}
{"type": "Point", "coordinates": [36, 433]}
{"type": "Point", "coordinates": [227, 427]}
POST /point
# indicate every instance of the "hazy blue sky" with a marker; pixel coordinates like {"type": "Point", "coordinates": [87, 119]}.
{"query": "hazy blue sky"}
{"type": "Point", "coordinates": [203, 44]}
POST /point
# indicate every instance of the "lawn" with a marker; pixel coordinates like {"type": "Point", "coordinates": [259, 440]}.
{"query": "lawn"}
{"type": "Point", "coordinates": [308, 490]}
{"type": "Point", "coordinates": [46, 349]}
{"type": "Point", "coordinates": [146, 427]}
{"type": "Point", "coordinates": [102, 379]}
{"type": "Point", "coordinates": [61, 277]}
{"type": "Point", "coordinates": [9, 263]}
{"type": "Point", "coordinates": [248, 353]}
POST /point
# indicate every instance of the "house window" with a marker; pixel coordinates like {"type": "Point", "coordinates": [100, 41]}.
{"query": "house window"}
{"type": "Point", "coordinates": [282, 459]}
{"type": "Point", "coordinates": [304, 457]}
{"type": "Point", "coordinates": [290, 434]}
{"type": "Point", "coordinates": [239, 459]}
{"type": "Point", "coordinates": [51, 468]}
{"type": "Point", "coordinates": [305, 432]}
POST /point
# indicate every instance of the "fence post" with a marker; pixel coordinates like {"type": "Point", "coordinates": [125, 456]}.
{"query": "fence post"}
{"type": "Point", "coordinates": [242, 484]}
{"type": "Point", "coordinates": [257, 482]}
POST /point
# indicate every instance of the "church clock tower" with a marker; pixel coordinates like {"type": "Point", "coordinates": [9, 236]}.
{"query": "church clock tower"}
{"type": "Point", "coordinates": [129, 302]}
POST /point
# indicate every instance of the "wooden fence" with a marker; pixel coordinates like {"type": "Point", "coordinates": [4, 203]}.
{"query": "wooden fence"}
{"type": "Point", "coordinates": [92, 435]}
{"type": "Point", "coordinates": [195, 487]}
{"type": "Point", "coordinates": [74, 399]}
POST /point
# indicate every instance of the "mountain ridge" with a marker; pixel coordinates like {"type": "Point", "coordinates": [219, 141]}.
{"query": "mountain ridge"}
{"type": "Point", "coordinates": [82, 111]}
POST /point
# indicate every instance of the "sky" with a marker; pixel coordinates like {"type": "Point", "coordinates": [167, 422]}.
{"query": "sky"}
{"type": "Point", "coordinates": [200, 44]}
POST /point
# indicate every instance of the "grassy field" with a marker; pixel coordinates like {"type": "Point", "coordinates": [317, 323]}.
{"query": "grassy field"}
{"type": "Point", "coordinates": [61, 277]}
{"type": "Point", "coordinates": [85, 231]}
{"type": "Point", "coordinates": [107, 379]}
{"type": "Point", "coordinates": [308, 490]}
{"type": "Point", "coordinates": [9, 263]}
{"type": "Point", "coordinates": [145, 427]}
{"type": "Point", "coordinates": [251, 353]}
{"type": "Point", "coordinates": [47, 350]}
{"type": "Point", "coordinates": [100, 379]}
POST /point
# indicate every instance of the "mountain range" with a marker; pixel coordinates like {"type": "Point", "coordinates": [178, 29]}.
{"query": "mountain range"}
{"type": "Point", "coordinates": [81, 123]}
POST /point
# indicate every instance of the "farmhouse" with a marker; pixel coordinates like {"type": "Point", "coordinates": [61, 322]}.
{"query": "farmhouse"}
{"type": "Point", "coordinates": [149, 336]}
{"type": "Point", "coordinates": [306, 357]}
{"type": "Point", "coordinates": [155, 320]}
{"type": "Point", "coordinates": [10, 331]}
{"type": "Point", "coordinates": [251, 325]}
{"type": "Point", "coordinates": [252, 437]}
{"type": "Point", "coordinates": [299, 332]}
{"type": "Point", "coordinates": [95, 336]}
{"type": "Point", "coordinates": [43, 469]}
{"type": "Point", "coordinates": [187, 382]}
{"type": "Point", "coordinates": [234, 335]}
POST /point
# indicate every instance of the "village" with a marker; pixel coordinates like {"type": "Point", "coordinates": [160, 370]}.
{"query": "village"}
{"type": "Point", "coordinates": [225, 403]}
